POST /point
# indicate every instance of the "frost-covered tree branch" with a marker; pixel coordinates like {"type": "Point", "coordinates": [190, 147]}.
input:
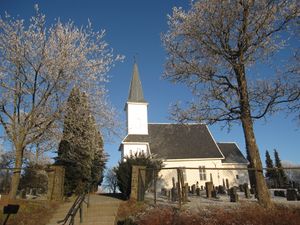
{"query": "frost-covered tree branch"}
{"type": "Point", "coordinates": [206, 45]}
{"type": "Point", "coordinates": [215, 47]}
{"type": "Point", "coordinates": [38, 68]}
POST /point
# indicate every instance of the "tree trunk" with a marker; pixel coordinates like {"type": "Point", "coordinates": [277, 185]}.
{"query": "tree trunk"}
{"type": "Point", "coordinates": [261, 187]}
{"type": "Point", "coordinates": [16, 174]}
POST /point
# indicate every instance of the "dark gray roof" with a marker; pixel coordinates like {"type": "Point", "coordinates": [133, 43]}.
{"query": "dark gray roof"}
{"type": "Point", "coordinates": [179, 141]}
{"type": "Point", "coordinates": [135, 90]}
{"type": "Point", "coordinates": [232, 153]}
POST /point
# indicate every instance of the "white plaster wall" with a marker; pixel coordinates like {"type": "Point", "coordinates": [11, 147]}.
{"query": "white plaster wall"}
{"type": "Point", "coordinates": [192, 175]}
{"type": "Point", "coordinates": [243, 176]}
{"type": "Point", "coordinates": [131, 149]}
{"type": "Point", "coordinates": [137, 118]}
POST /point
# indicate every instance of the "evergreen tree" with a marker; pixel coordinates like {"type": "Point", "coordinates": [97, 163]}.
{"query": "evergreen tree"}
{"type": "Point", "coordinates": [270, 166]}
{"type": "Point", "coordinates": [78, 147]}
{"type": "Point", "coordinates": [98, 163]}
{"type": "Point", "coordinates": [280, 174]}
{"type": "Point", "coordinates": [270, 173]}
{"type": "Point", "coordinates": [124, 169]}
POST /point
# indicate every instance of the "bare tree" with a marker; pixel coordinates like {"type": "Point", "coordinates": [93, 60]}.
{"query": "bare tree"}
{"type": "Point", "coordinates": [292, 174]}
{"type": "Point", "coordinates": [110, 180]}
{"type": "Point", "coordinates": [38, 68]}
{"type": "Point", "coordinates": [213, 48]}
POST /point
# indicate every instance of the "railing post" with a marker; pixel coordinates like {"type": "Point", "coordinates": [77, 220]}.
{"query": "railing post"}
{"type": "Point", "coordinates": [154, 184]}
{"type": "Point", "coordinates": [80, 213]}
{"type": "Point", "coordinates": [178, 186]}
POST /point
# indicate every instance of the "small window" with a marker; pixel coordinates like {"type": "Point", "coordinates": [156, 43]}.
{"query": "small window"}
{"type": "Point", "coordinates": [202, 173]}
{"type": "Point", "coordinates": [237, 176]}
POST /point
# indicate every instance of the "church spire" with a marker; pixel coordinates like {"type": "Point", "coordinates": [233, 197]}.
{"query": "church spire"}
{"type": "Point", "coordinates": [136, 91]}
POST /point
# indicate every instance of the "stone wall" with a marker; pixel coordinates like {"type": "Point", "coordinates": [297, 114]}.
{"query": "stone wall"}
{"type": "Point", "coordinates": [56, 177]}
{"type": "Point", "coordinates": [138, 176]}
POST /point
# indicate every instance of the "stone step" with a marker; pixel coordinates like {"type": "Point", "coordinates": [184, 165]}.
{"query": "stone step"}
{"type": "Point", "coordinates": [102, 210]}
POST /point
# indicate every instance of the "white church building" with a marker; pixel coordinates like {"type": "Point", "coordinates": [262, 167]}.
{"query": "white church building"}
{"type": "Point", "coordinates": [180, 145]}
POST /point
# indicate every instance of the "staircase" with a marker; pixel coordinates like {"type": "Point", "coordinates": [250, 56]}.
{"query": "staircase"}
{"type": "Point", "coordinates": [102, 210]}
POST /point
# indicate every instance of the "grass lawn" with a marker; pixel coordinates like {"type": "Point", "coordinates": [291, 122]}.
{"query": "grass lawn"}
{"type": "Point", "coordinates": [31, 212]}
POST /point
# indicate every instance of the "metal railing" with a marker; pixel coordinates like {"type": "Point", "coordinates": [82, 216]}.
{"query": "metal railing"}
{"type": "Point", "coordinates": [77, 205]}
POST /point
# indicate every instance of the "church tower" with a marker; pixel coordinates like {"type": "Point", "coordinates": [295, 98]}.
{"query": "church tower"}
{"type": "Point", "coordinates": [136, 107]}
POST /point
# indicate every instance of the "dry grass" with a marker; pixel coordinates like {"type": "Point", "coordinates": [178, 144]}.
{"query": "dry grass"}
{"type": "Point", "coordinates": [251, 214]}
{"type": "Point", "coordinates": [31, 212]}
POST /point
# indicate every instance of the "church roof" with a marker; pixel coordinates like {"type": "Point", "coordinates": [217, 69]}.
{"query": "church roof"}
{"type": "Point", "coordinates": [232, 153]}
{"type": "Point", "coordinates": [179, 141]}
{"type": "Point", "coordinates": [135, 90]}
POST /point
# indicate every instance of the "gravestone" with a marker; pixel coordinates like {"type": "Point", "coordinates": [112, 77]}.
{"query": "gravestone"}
{"type": "Point", "coordinates": [164, 192]}
{"type": "Point", "coordinates": [174, 194]}
{"type": "Point", "coordinates": [247, 191]}
{"type": "Point", "coordinates": [23, 193]}
{"type": "Point", "coordinates": [214, 193]}
{"type": "Point", "coordinates": [233, 195]}
{"type": "Point", "coordinates": [198, 191]}
{"type": "Point", "coordinates": [193, 189]}
{"type": "Point", "coordinates": [221, 189]}
{"type": "Point", "coordinates": [209, 189]}
{"type": "Point", "coordinates": [291, 194]}
{"type": "Point", "coordinates": [241, 187]}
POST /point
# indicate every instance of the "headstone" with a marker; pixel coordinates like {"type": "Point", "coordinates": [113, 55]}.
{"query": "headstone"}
{"type": "Point", "coordinates": [214, 193]}
{"type": "Point", "coordinates": [233, 195]}
{"type": "Point", "coordinates": [23, 194]}
{"type": "Point", "coordinates": [279, 193]}
{"type": "Point", "coordinates": [174, 194]}
{"type": "Point", "coordinates": [291, 194]}
{"type": "Point", "coordinates": [169, 194]}
{"type": "Point", "coordinates": [247, 191]}
{"type": "Point", "coordinates": [164, 192]}
{"type": "Point", "coordinates": [193, 189]}
{"type": "Point", "coordinates": [221, 190]}
{"type": "Point", "coordinates": [198, 191]}
{"type": "Point", "coordinates": [208, 188]}
{"type": "Point", "coordinates": [241, 187]}
{"type": "Point", "coordinates": [227, 184]}
{"type": "Point", "coordinates": [185, 192]}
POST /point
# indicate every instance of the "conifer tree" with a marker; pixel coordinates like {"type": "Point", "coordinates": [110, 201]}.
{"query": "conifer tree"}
{"type": "Point", "coordinates": [270, 167]}
{"type": "Point", "coordinates": [80, 147]}
{"type": "Point", "coordinates": [98, 162]}
{"type": "Point", "coordinates": [281, 178]}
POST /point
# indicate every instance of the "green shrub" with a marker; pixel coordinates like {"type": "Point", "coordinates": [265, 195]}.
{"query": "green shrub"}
{"type": "Point", "coordinates": [124, 169]}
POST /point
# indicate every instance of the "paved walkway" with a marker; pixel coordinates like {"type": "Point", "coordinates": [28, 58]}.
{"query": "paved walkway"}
{"type": "Point", "coordinates": [102, 211]}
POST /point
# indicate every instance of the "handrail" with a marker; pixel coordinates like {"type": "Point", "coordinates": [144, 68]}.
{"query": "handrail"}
{"type": "Point", "coordinates": [73, 210]}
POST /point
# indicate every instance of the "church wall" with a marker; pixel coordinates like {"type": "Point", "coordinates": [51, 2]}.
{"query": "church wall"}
{"type": "Point", "coordinates": [235, 177]}
{"type": "Point", "coordinates": [192, 176]}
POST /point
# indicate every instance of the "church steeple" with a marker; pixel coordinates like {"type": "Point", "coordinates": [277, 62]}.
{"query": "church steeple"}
{"type": "Point", "coordinates": [136, 107]}
{"type": "Point", "coordinates": [135, 90]}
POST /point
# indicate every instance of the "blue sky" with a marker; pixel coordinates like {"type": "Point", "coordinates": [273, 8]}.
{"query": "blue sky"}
{"type": "Point", "coordinates": [133, 28]}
